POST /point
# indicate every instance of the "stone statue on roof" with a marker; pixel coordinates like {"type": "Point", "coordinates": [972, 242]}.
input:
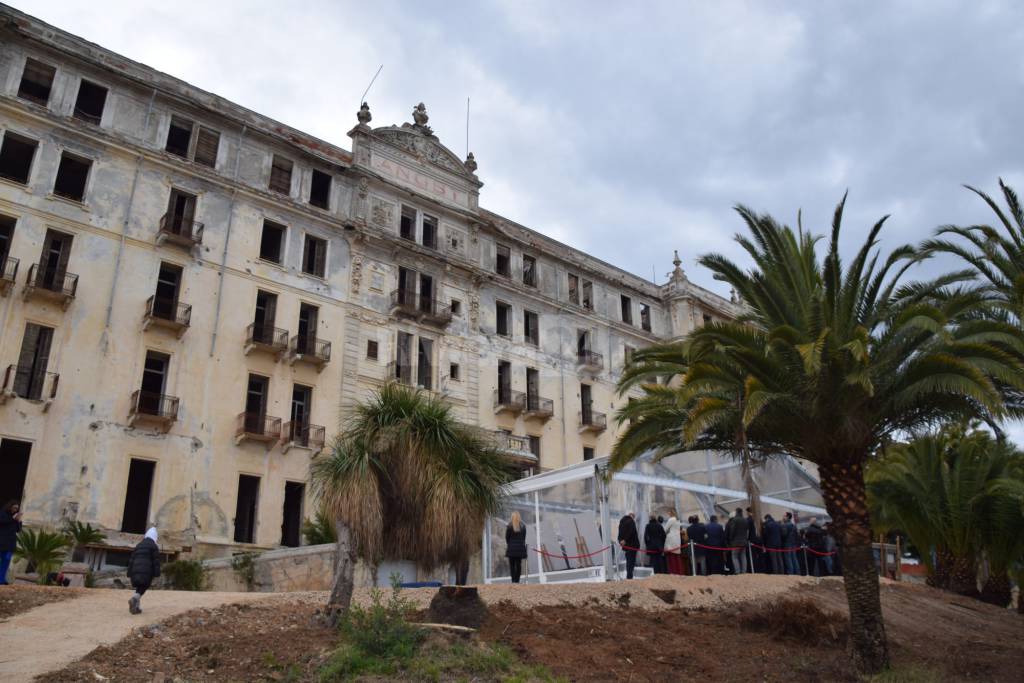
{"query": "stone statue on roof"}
{"type": "Point", "coordinates": [363, 115]}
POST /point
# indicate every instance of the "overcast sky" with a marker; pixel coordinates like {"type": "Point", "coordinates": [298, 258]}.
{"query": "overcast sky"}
{"type": "Point", "coordinates": [630, 133]}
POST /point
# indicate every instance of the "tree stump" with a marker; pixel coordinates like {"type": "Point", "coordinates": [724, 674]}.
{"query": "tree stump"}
{"type": "Point", "coordinates": [459, 605]}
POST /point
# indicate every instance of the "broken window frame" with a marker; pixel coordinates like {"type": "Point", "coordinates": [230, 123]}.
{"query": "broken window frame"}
{"type": "Point", "coordinates": [626, 309]}
{"type": "Point", "coordinates": [85, 85]}
{"type": "Point", "coordinates": [574, 288]}
{"type": "Point", "coordinates": [317, 178]}
{"type": "Point", "coordinates": [319, 262]}
{"type": "Point", "coordinates": [428, 235]}
{"type": "Point", "coordinates": [454, 372]}
{"type": "Point", "coordinates": [531, 328]}
{"type": "Point", "coordinates": [34, 67]}
{"type": "Point", "coordinates": [529, 270]}
{"type": "Point", "coordinates": [179, 123]}
{"type": "Point", "coordinates": [18, 139]}
{"type": "Point", "coordinates": [280, 179]}
{"type": "Point", "coordinates": [587, 295]}
{"type": "Point", "coordinates": [503, 260]}
{"type": "Point", "coordinates": [68, 193]}
{"type": "Point", "coordinates": [282, 232]}
{"type": "Point", "coordinates": [503, 319]}
{"type": "Point", "coordinates": [372, 350]}
{"type": "Point", "coordinates": [645, 317]}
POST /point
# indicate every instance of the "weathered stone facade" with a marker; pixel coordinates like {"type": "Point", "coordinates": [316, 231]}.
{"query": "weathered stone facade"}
{"type": "Point", "coordinates": [316, 275]}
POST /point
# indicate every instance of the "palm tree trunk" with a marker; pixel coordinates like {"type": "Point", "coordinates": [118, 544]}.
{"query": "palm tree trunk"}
{"type": "Point", "coordinates": [963, 576]}
{"type": "Point", "coordinates": [842, 487]}
{"type": "Point", "coordinates": [344, 572]}
{"type": "Point", "coordinates": [997, 590]}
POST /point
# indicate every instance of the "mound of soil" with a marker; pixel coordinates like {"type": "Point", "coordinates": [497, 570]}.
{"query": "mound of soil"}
{"type": "Point", "coordinates": [459, 605]}
{"type": "Point", "coordinates": [21, 598]}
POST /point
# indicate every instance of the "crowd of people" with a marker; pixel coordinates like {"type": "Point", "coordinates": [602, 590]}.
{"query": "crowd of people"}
{"type": "Point", "coordinates": [739, 546]}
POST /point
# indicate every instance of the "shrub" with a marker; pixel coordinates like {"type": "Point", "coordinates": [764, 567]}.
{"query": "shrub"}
{"type": "Point", "coordinates": [43, 550]}
{"type": "Point", "coordinates": [244, 565]}
{"type": "Point", "coordinates": [185, 575]}
{"type": "Point", "coordinates": [80, 535]}
{"type": "Point", "coordinates": [799, 619]}
{"type": "Point", "coordinates": [319, 530]}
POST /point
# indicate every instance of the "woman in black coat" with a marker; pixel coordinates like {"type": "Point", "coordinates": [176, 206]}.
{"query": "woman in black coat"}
{"type": "Point", "coordinates": [654, 541]}
{"type": "Point", "coordinates": [515, 546]}
{"type": "Point", "coordinates": [10, 525]}
{"type": "Point", "coordinates": [143, 567]}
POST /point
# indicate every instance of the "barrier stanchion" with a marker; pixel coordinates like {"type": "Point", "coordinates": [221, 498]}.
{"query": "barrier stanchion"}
{"type": "Point", "coordinates": [750, 556]}
{"type": "Point", "coordinates": [693, 560]}
{"type": "Point", "coordinates": [807, 565]}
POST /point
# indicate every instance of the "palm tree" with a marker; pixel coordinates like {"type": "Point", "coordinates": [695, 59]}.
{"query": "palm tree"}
{"type": "Point", "coordinates": [406, 480]}
{"type": "Point", "coordinates": [43, 550]}
{"type": "Point", "coordinates": [830, 361]}
{"type": "Point", "coordinates": [81, 535]}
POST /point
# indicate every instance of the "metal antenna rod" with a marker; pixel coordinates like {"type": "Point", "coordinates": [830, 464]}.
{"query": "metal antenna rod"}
{"type": "Point", "coordinates": [467, 127]}
{"type": "Point", "coordinates": [363, 98]}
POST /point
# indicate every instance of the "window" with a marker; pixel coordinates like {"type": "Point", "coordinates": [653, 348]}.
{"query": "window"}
{"type": "Point", "coordinates": [588, 453]}
{"type": "Point", "coordinates": [320, 190]}
{"type": "Point", "coordinates": [71, 176]}
{"type": "Point", "coordinates": [264, 318]}
{"type": "Point", "coordinates": [53, 261]}
{"type": "Point", "coordinates": [574, 289]}
{"type": "Point", "coordinates": [291, 526]}
{"type": "Point", "coordinates": [626, 304]}
{"type": "Point", "coordinates": [532, 388]}
{"type": "Point", "coordinates": [36, 82]}
{"type": "Point", "coordinates": [453, 372]}
{"type": "Point", "coordinates": [14, 459]}
{"type": "Point", "coordinates": [504, 382]}
{"type": "Point", "coordinates": [407, 225]}
{"type": "Point", "coordinates": [179, 136]}
{"type": "Point", "coordinates": [90, 102]}
{"type": "Point", "coordinates": [588, 295]}
{"type": "Point", "coordinates": [245, 509]}
{"type": "Point", "coordinates": [531, 328]}
{"type": "Point", "coordinates": [426, 293]}
{"type": "Point", "coordinates": [586, 404]}
{"type": "Point", "coordinates": [535, 447]}
{"type": "Point", "coordinates": [403, 358]}
{"type": "Point", "coordinates": [582, 342]}
{"type": "Point", "coordinates": [280, 175]}
{"type": "Point", "coordinates": [627, 353]}
{"type": "Point", "coordinates": [707, 319]}
{"type": "Point", "coordinates": [302, 406]}
{"type": "Point", "coordinates": [645, 317]}
{"type": "Point", "coordinates": [256, 404]}
{"type": "Point", "coordinates": [309, 324]}
{"type": "Point", "coordinates": [272, 241]}
{"type": "Point", "coordinates": [154, 384]}
{"type": "Point", "coordinates": [16, 157]}
{"type": "Point", "coordinates": [30, 373]}
{"type": "Point", "coordinates": [168, 285]}
{"type": "Point", "coordinates": [504, 319]}
{"type": "Point", "coordinates": [503, 261]}
{"type": "Point", "coordinates": [207, 143]}
{"type": "Point", "coordinates": [6, 236]}
{"type": "Point", "coordinates": [529, 271]}
{"type": "Point", "coordinates": [456, 307]}
{"type": "Point", "coordinates": [424, 364]}
{"type": "Point", "coordinates": [429, 236]}
{"type": "Point", "coordinates": [371, 349]}
{"type": "Point", "coordinates": [453, 242]}
{"type": "Point", "coordinates": [314, 256]}
{"type": "Point", "coordinates": [137, 495]}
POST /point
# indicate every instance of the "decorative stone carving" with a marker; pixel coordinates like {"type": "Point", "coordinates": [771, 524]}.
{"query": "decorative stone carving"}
{"type": "Point", "coordinates": [421, 148]}
{"type": "Point", "coordinates": [382, 212]}
{"type": "Point", "coordinates": [470, 163]}
{"type": "Point", "coordinates": [357, 273]}
{"type": "Point", "coordinates": [474, 311]}
{"type": "Point", "coordinates": [420, 118]}
{"type": "Point", "coordinates": [363, 115]}
{"type": "Point", "coordinates": [359, 200]}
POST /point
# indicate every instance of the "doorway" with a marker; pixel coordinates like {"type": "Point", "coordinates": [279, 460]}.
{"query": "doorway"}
{"type": "Point", "coordinates": [245, 509]}
{"type": "Point", "coordinates": [291, 524]}
{"type": "Point", "coordinates": [154, 382]}
{"type": "Point", "coordinates": [14, 457]}
{"type": "Point", "coordinates": [53, 262]}
{"type": "Point", "coordinates": [137, 496]}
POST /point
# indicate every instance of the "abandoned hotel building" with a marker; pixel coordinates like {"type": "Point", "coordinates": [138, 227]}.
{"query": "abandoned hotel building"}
{"type": "Point", "coordinates": [192, 294]}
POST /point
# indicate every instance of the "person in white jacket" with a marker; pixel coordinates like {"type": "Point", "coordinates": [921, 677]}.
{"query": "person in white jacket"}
{"type": "Point", "coordinates": [673, 541]}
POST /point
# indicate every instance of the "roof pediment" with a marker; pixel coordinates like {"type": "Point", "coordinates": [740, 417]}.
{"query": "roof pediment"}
{"type": "Point", "coordinates": [425, 147]}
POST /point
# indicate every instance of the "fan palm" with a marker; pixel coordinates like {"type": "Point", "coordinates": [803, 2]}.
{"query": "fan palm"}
{"type": "Point", "coordinates": [406, 480]}
{"type": "Point", "coordinates": [80, 535]}
{"type": "Point", "coordinates": [829, 362]}
{"type": "Point", "coordinates": [43, 550]}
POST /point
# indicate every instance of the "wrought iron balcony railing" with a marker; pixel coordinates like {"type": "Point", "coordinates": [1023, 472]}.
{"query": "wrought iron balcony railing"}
{"type": "Point", "coordinates": [8, 273]}
{"type": "Point", "coordinates": [166, 312]}
{"type": "Point", "coordinates": [590, 359]}
{"type": "Point", "coordinates": [153, 406]}
{"type": "Point", "coordinates": [309, 349]}
{"type": "Point", "coordinates": [303, 435]}
{"type": "Point", "coordinates": [508, 401]}
{"type": "Point", "coordinates": [266, 338]}
{"type": "Point", "coordinates": [52, 282]}
{"type": "Point", "coordinates": [538, 406]}
{"type": "Point", "coordinates": [408, 303]}
{"type": "Point", "coordinates": [30, 383]}
{"type": "Point", "coordinates": [592, 421]}
{"type": "Point", "coordinates": [257, 427]}
{"type": "Point", "coordinates": [180, 231]}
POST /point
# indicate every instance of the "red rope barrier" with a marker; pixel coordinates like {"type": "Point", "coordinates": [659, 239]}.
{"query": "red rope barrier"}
{"type": "Point", "coordinates": [815, 552]}
{"type": "Point", "coordinates": [569, 557]}
{"type": "Point", "coordinates": [775, 550]}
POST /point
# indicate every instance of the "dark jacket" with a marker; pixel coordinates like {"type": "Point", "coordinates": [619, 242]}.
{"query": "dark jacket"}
{"type": "Point", "coordinates": [751, 529]}
{"type": "Point", "coordinates": [716, 534]}
{"type": "Point", "coordinates": [736, 532]}
{"type": "Point", "coordinates": [790, 536]}
{"type": "Point", "coordinates": [9, 528]}
{"type": "Point", "coordinates": [515, 542]}
{"type": "Point", "coordinates": [772, 534]}
{"type": "Point", "coordinates": [654, 536]}
{"type": "Point", "coordinates": [627, 532]}
{"type": "Point", "coordinates": [144, 563]}
{"type": "Point", "coordinates": [815, 537]}
{"type": "Point", "coordinates": [698, 533]}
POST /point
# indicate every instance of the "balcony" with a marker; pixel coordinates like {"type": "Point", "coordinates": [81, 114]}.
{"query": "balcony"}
{"type": "Point", "coordinates": [593, 422]}
{"type": "Point", "coordinates": [267, 339]}
{"type": "Point", "coordinates": [8, 274]}
{"type": "Point", "coordinates": [257, 427]}
{"type": "Point", "coordinates": [399, 373]}
{"type": "Point", "coordinates": [517, 448]}
{"type": "Point", "coordinates": [34, 385]}
{"type": "Point", "coordinates": [51, 283]}
{"type": "Point", "coordinates": [302, 435]}
{"type": "Point", "coordinates": [168, 314]}
{"type": "Point", "coordinates": [179, 231]}
{"type": "Point", "coordinates": [152, 409]}
{"type": "Point", "coordinates": [538, 408]}
{"type": "Point", "coordinates": [408, 304]}
{"type": "Point", "coordinates": [315, 352]}
{"type": "Point", "coordinates": [508, 401]}
{"type": "Point", "coordinates": [589, 360]}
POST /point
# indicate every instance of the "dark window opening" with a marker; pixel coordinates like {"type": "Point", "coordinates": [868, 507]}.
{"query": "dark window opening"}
{"type": "Point", "coordinates": [154, 383]}
{"type": "Point", "coordinates": [504, 319]}
{"type": "Point", "coordinates": [588, 295]}
{"type": "Point", "coordinates": [707, 318]}
{"type": "Point", "coordinates": [90, 102]}
{"type": "Point", "coordinates": [168, 286]}
{"type": "Point", "coordinates": [207, 143]}
{"type": "Point", "coordinates": [503, 261]}
{"type": "Point", "coordinates": [586, 404]}
{"type": "Point", "coordinates": [137, 495]}
{"type": "Point", "coordinates": [645, 317]}
{"type": "Point", "coordinates": [182, 209]}
{"type": "Point", "coordinates": [314, 256]}
{"type": "Point", "coordinates": [529, 271]}
{"type": "Point", "coordinates": [265, 317]}
{"type": "Point", "coordinates": [320, 190]}
{"type": "Point", "coordinates": [588, 453]}
{"type": "Point", "coordinates": [532, 387]}
{"type": "Point", "coordinates": [504, 382]}
{"type": "Point", "coordinates": [453, 372]}
{"type": "Point", "coordinates": [281, 175]}
{"type": "Point", "coordinates": [407, 224]}
{"type": "Point", "coordinates": [426, 293]}
{"type": "Point", "coordinates": [14, 456]}
{"type": "Point", "coordinates": [7, 224]}
{"type": "Point", "coordinates": [531, 328]}
{"type": "Point", "coordinates": [71, 176]}
{"type": "Point", "coordinates": [256, 394]}
{"type": "Point", "coordinates": [371, 349]}
{"type": "Point", "coordinates": [424, 368]}
{"type": "Point", "coordinates": [456, 307]}
{"type": "Point", "coordinates": [626, 305]}
{"type": "Point", "coordinates": [36, 82]}
{"type": "Point", "coordinates": [272, 241]}
{"type": "Point", "coordinates": [30, 373]}
{"type": "Point", "coordinates": [535, 447]}
{"type": "Point", "coordinates": [403, 358]}
{"type": "Point", "coordinates": [627, 353]}
{"type": "Point", "coordinates": [53, 261]}
{"type": "Point", "coordinates": [291, 526]}
{"type": "Point", "coordinates": [302, 405]}
{"type": "Point", "coordinates": [16, 157]}
{"type": "Point", "coordinates": [574, 289]}
{"type": "Point", "coordinates": [582, 342]}
{"type": "Point", "coordinates": [309, 320]}
{"type": "Point", "coordinates": [430, 232]}
{"type": "Point", "coordinates": [179, 136]}
{"type": "Point", "coordinates": [245, 509]}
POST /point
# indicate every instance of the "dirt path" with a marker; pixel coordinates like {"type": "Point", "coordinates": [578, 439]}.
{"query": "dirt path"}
{"type": "Point", "coordinates": [52, 636]}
